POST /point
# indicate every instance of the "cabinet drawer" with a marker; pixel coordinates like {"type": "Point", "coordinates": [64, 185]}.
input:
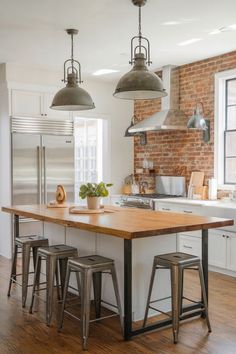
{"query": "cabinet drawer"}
{"type": "Point", "coordinates": [189, 244]}
{"type": "Point", "coordinates": [171, 207]}
{"type": "Point", "coordinates": [179, 208]}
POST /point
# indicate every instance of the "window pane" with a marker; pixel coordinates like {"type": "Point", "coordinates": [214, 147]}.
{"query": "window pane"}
{"type": "Point", "coordinates": [231, 85]}
{"type": "Point", "coordinates": [230, 170]}
{"type": "Point", "coordinates": [88, 152]}
{"type": "Point", "coordinates": [230, 144]}
{"type": "Point", "coordinates": [231, 117]}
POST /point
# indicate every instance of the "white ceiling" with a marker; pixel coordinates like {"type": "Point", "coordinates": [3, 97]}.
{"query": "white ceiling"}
{"type": "Point", "coordinates": [31, 31]}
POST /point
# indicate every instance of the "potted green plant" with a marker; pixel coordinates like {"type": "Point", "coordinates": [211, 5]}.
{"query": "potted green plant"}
{"type": "Point", "coordinates": [94, 192]}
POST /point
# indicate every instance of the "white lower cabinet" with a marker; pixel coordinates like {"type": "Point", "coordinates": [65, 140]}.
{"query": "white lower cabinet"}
{"type": "Point", "coordinates": [231, 251]}
{"type": "Point", "coordinates": [217, 248]}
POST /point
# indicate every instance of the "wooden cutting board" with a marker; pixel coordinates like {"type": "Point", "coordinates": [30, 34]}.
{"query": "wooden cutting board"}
{"type": "Point", "coordinates": [197, 179]}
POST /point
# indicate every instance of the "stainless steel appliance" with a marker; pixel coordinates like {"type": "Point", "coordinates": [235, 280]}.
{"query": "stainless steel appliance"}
{"type": "Point", "coordinates": [166, 187]}
{"type": "Point", "coordinates": [42, 158]}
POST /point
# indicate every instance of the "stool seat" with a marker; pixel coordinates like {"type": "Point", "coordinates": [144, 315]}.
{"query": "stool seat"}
{"type": "Point", "coordinates": [92, 261]}
{"type": "Point", "coordinates": [176, 258]}
{"type": "Point", "coordinates": [31, 240]}
{"type": "Point", "coordinates": [57, 250]}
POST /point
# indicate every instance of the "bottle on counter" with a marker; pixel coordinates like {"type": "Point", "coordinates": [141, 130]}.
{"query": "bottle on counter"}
{"type": "Point", "coordinates": [212, 190]}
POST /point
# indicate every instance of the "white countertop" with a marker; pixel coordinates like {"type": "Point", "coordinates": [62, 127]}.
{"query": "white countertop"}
{"type": "Point", "coordinates": [213, 203]}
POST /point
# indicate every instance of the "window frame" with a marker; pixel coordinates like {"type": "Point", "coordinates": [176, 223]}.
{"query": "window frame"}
{"type": "Point", "coordinates": [220, 125]}
{"type": "Point", "coordinates": [106, 141]}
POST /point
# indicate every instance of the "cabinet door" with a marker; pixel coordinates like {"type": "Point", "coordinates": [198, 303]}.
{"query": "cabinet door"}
{"type": "Point", "coordinates": [231, 252]}
{"type": "Point", "coordinates": [217, 249]}
{"type": "Point", "coordinates": [189, 244]}
{"type": "Point", "coordinates": [52, 113]}
{"type": "Point", "coordinates": [26, 104]}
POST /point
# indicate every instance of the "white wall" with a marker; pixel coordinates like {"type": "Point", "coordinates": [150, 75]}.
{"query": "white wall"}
{"type": "Point", "coordinates": [118, 114]}
{"type": "Point", "coordinates": [5, 174]}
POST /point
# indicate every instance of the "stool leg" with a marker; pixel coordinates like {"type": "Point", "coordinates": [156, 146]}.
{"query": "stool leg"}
{"type": "Point", "coordinates": [64, 298]}
{"type": "Point", "coordinates": [116, 289]}
{"type": "Point", "coordinates": [204, 296]}
{"type": "Point", "coordinates": [86, 281]}
{"type": "Point", "coordinates": [25, 271]}
{"type": "Point", "coordinates": [62, 267]}
{"type": "Point", "coordinates": [50, 273]}
{"type": "Point", "coordinates": [181, 284]}
{"type": "Point", "coordinates": [36, 280]}
{"type": "Point", "coordinates": [59, 295]}
{"type": "Point", "coordinates": [149, 292]}
{"type": "Point", "coordinates": [13, 269]}
{"type": "Point", "coordinates": [175, 290]}
{"type": "Point", "coordinates": [97, 288]}
{"type": "Point", "coordinates": [35, 251]}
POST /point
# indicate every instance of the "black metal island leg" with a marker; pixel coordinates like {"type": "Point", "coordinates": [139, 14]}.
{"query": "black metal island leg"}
{"type": "Point", "coordinates": [127, 289]}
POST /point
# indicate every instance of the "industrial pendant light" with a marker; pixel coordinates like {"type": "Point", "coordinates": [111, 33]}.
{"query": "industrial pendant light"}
{"type": "Point", "coordinates": [72, 97]}
{"type": "Point", "coordinates": [139, 83]}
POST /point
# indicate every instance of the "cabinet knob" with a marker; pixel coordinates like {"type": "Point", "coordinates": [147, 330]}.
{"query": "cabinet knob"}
{"type": "Point", "coordinates": [227, 236]}
{"type": "Point", "coordinates": [223, 235]}
{"type": "Point", "coordinates": [188, 211]}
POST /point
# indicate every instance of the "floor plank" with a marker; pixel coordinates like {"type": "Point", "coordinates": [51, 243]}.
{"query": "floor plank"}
{"type": "Point", "coordinates": [22, 333]}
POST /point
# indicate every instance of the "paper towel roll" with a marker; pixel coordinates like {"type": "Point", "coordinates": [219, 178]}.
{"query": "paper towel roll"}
{"type": "Point", "coordinates": [212, 191]}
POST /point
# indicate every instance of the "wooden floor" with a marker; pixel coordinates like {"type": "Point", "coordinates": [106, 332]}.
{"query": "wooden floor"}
{"type": "Point", "coordinates": [23, 333]}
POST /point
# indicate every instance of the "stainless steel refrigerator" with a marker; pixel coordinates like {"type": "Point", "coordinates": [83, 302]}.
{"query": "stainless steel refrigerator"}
{"type": "Point", "coordinates": [42, 158]}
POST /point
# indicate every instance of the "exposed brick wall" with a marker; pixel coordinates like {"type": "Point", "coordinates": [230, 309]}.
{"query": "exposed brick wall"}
{"type": "Point", "coordinates": [175, 150]}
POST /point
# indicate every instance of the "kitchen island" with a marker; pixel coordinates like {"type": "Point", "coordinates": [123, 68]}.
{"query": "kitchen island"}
{"type": "Point", "coordinates": [131, 237]}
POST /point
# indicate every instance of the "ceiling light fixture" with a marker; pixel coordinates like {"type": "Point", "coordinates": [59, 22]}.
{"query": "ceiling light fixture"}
{"type": "Point", "coordinates": [139, 82]}
{"type": "Point", "coordinates": [72, 97]}
{"type": "Point", "coordinates": [190, 41]}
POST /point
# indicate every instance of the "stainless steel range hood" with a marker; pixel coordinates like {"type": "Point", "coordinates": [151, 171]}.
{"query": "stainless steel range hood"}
{"type": "Point", "coordinates": [170, 117]}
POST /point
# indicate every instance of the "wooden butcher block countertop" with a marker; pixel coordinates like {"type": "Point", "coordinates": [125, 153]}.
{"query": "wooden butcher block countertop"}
{"type": "Point", "coordinates": [127, 223]}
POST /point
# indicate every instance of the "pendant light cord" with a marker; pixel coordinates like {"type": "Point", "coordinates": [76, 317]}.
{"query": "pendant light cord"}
{"type": "Point", "coordinates": [140, 30]}
{"type": "Point", "coordinates": [72, 51]}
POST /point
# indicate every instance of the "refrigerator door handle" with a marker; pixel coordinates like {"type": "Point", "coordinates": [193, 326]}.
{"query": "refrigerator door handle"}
{"type": "Point", "coordinates": [44, 175]}
{"type": "Point", "coordinates": [39, 172]}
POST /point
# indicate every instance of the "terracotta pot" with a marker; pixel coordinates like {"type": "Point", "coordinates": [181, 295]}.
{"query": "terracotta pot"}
{"type": "Point", "coordinates": [93, 203]}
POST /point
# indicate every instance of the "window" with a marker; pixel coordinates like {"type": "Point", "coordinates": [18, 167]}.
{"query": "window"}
{"type": "Point", "coordinates": [88, 152]}
{"type": "Point", "coordinates": [225, 128]}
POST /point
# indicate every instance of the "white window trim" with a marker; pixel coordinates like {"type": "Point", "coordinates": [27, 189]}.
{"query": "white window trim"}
{"type": "Point", "coordinates": [106, 141]}
{"type": "Point", "coordinates": [219, 126]}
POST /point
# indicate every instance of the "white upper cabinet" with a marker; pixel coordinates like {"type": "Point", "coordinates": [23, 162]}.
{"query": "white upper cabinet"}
{"type": "Point", "coordinates": [26, 104]}
{"type": "Point", "coordinates": [34, 104]}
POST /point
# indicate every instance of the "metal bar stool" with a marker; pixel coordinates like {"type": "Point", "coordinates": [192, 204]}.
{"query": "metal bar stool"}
{"type": "Point", "coordinates": [177, 262]}
{"type": "Point", "coordinates": [54, 255]}
{"type": "Point", "coordinates": [26, 243]}
{"type": "Point", "coordinates": [87, 269]}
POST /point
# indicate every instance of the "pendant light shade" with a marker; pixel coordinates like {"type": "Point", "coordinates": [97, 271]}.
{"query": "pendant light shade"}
{"type": "Point", "coordinates": [197, 121]}
{"type": "Point", "coordinates": [72, 97]}
{"type": "Point", "coordinates": [139, 83]}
